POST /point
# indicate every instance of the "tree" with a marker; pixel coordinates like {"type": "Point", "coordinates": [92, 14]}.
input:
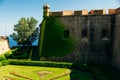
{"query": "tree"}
{"type": "Point", "coordinates": [34, 36]}
{"type": "Point", "coordinates": [23, 30]}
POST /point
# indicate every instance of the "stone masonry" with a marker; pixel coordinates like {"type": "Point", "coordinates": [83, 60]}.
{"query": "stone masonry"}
{"type": "Point", "coordinates": [97, 35]}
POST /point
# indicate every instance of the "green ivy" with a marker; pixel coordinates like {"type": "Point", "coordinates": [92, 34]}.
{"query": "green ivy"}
{"type": "Point", "coordinates": [53, 41]}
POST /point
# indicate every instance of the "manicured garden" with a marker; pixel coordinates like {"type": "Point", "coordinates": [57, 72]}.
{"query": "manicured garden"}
{"type": "Point", "coordinates": [46, 70]}
{"type": "Point", "coordinates": [41, 73]}
{"type": "Point", "coordinates": [23, 68]}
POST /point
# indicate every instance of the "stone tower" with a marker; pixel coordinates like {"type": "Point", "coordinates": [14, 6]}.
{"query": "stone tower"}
{"type": "Point", "coordinates": [46, 10]}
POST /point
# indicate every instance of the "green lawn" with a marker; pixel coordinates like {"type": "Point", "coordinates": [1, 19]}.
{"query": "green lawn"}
{"type": "Point", "coordinates": [41, 73]}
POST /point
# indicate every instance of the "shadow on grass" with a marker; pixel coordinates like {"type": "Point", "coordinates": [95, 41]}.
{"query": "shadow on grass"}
{"type": "Point", "coordinates": [109, 72]}
{"type": "Point", "coordinates": [80, 75]}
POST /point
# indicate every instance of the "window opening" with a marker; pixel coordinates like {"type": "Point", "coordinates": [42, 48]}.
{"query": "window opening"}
{"type": "Point", "coordinates": [66, 33]}
{"type": "Point", "coordinates": [84, 33]}
{"type": "Point", "coordinates": [104, 33]}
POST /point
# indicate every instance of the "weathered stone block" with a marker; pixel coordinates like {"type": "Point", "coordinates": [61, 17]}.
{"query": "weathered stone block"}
{"type": "Point", "coordinates": [67, 12]}
{"type": "Point", "coordinates": [82, 12]}
{"type": "Point", "coordinates": [98, 12]}
{"type": "Point", "coordinates": [56, 13]}
{"type": "Point", "coordinates": [118, 10]}
{"type": "Point", "coordinates": [111, 11]}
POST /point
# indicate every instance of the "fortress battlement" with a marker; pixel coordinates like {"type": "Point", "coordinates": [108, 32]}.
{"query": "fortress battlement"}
{"type": "Point", "coordinates": [47, 12]}
{"type": "Point", "coordinates": [85, 12]}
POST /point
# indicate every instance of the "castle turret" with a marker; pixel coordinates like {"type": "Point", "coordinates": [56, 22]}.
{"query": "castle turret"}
{"type": "Point", "coordinates": [46, 10]}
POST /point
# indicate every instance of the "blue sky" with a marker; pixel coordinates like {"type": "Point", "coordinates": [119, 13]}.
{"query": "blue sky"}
{"type": "Point", "coordinates": [12, 10]}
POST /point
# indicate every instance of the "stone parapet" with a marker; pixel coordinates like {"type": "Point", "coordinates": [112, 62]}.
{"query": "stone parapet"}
{"type": "Point", "coordinates": [82, 12]}
{"type": "Point", "coordinates": [56, 13]}
{"type": "Point", "coordinates": [67, 13]}
{"type": "Point", "coordinates": [85, 12]}
{"type": "Point", "coordinates": [111, 11]}
{"type": "Point", "coordinates": [97, 12]}
{"type": "Point", "coordinates": [118, 10]}
{"type": "Point", "coordinates": [62, 13]}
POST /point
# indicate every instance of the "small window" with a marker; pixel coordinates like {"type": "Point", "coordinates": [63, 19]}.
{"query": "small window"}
{"type": "Point", "coordinates": [104, 33]}
{"type": "Point", "coordinates": [84, 33]}
{"type": "Point", "coordinates": [66, 33]}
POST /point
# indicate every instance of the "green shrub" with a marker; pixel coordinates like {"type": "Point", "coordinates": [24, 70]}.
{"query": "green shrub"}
{"type": "Point", "coordinates": [97, 75]}
{"type": "Point", "coordinates": [25, 55]}
{"type": "Point", "coordinates": [10, 52]}
{"type": "Point", "coordinates": [7, 54]}
{"type": "Point", "coordinates": [39, 63]}
{"type": "Point", "coordinates": [2, 57]}
{"type": "Point", "coordinates": [0, 64]}
{"type": "Point", "coordinates": [5, 62]}
{"type": "Point", "coordinates": [19, 55]}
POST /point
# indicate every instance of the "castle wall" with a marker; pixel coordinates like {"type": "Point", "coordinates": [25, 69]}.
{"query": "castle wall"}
{"type": "Point", "coordinates": [93, 46]}
{"type": "Point", "coordinates": [97, 36]}
{"type": "Point", "coordinates": [116, 55]}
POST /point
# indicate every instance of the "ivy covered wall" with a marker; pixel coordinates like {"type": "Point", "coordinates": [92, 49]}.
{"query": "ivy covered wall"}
{"type": "Point", "coordinates": [54, 41]}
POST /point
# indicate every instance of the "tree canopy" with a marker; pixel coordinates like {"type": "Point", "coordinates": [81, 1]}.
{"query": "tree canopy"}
{"type": "Point", "coordinates": [24, 29]}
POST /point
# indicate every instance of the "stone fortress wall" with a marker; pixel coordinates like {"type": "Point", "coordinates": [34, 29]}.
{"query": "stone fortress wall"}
{"type": "Point", "coordinates": [97, 35]}
{"type": "Point", "coordinates": [84, 12]}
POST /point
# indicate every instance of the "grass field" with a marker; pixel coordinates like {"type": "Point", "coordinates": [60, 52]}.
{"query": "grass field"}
{"type": "Point", "coordinates": [12, 72]}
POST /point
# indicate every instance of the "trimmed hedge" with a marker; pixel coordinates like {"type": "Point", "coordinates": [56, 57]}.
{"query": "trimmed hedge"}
{"type": "Point", "coordinates": [2, 57]}
{"type": "Point", "coordinates": [5, 62]}
{"type": "Point", "coordinates": [39, 63]}
{"type": "Point", "coordinates": [0, 64]}
{"type": "Point", "coordinates": [7, 54]}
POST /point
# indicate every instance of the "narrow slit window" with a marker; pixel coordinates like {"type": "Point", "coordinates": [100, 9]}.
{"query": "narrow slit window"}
{"type": "Point", "coordinates": [104, 33]}
{"type": "Point", "coordinates": [84, 33]}
{"type": "Point", "coordinates": [66, 33]}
